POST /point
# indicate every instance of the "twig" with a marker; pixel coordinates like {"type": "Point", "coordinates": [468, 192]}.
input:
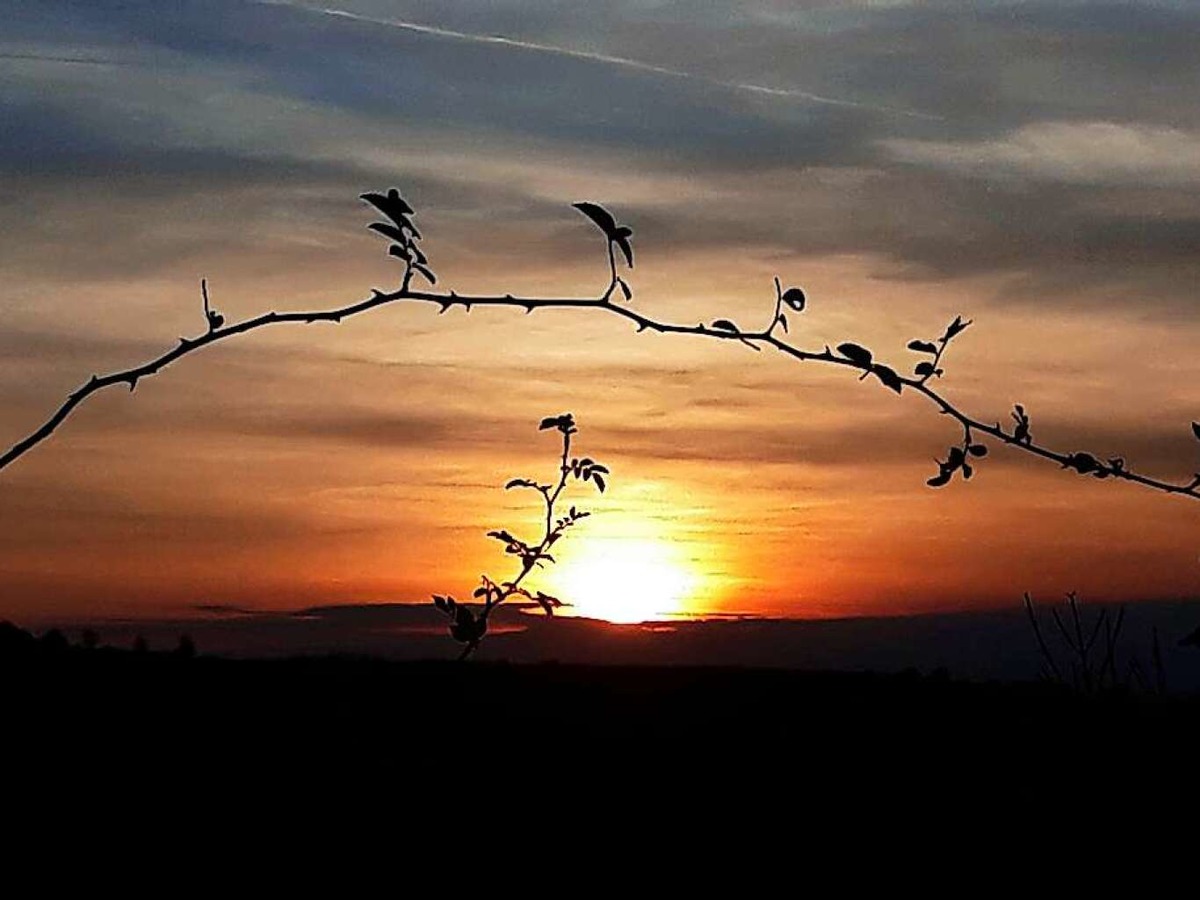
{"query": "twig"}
{"type": "Point", "coordinates": [469, 628]}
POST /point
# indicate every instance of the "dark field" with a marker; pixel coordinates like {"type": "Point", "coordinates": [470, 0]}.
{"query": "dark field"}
{"type": "Point", "coordinates": [447, 733]}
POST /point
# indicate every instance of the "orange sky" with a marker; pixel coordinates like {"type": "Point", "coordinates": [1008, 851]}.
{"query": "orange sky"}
{"type": "Point", "coordinates": [309, 465]}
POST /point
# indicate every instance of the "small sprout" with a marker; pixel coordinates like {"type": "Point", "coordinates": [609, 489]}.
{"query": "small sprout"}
{"type": "Point", "coordinates": [958, 326]}
{"type": "Point", "coordinates": [469, 625]}
{"type": "Point", "coordinates": [564, 423]}
{"type": "Point", "coordinates": [958, 460]}
{"type": "Point", "coordinates": [402, 232]}
{"type": "Point", "coordinates": [1021, 433]}
{"type": "Point", "coordinates": [618, 235]}
{"type": "Point", "coordinates": [213, 318]}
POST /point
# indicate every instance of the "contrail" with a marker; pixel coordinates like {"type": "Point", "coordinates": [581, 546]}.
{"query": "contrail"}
{"type": "Point", "coordinates": [67, 60]}
{"type": "Point", "coordinates": [604, 58]}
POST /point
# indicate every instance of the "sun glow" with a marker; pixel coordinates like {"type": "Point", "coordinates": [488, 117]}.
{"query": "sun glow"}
{"type": "Point", "coordinates": [626, 580]}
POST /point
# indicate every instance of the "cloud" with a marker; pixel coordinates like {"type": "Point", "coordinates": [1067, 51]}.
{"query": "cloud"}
{"type": "Point", "coordinates": [1073, 152]}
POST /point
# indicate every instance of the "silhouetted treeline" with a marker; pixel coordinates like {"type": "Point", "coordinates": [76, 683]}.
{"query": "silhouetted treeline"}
{"type": "Point", "coordinates": [19, 644]}
{"type": "Point", "coordinates": [772, 739]}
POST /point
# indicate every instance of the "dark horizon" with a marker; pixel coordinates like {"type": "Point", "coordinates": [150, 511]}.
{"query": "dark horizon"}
{"type": "Point", "coordinates": [992, 645]}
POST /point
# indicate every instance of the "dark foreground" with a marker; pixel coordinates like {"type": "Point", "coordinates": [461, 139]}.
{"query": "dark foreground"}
{"type": "Point", "coordinates": [445, 733]}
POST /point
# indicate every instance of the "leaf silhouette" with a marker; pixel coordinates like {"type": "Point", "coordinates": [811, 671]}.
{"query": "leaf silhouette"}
{"type": "Point", "coordinates": [858, 355]}
{"type": "Point", "coordinates": [940, 479]}
{"type": "Point", "coordinates": [922, 347]}
{"type": "Point", "coordinates": [888, 376]}
{"type": "Point", "coordinates": [625, 288]}
{"type": "Point", "coordinates": [1083, 463]}
{"type": "Point", "coordinates": [626, 249]}
{"type": "Point", "coordinates": [429, 276]}
{"type": "Point", "coordinates": [621, 239]}
{"type": "Point", "coordinates": [977, 450]}
{"type": "Point", "coordinates": [601, 216]}
{"type": "Point", "coordinates": [925, 368]}
{"type": "Point", "coordinates": [1196, 430]}
{"type": "Point", "coordinates": [724, 325]}
{"type": "Point", "coordinates": [599, 479]}
{"type": "Point", "coordinates": [389, 231]}
{"type": "Point", "coordinates": [794, 298]}
{"type": "Point", "coordinates": [783, 322]}
{"type": "Point", "coordinates": [391, 204]}
{"type": "Point", "coordinates": [546, 602]}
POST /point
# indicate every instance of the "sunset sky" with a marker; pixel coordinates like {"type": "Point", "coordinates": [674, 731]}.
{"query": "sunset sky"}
{"type": "Point", "coordinates": [1032, 166]}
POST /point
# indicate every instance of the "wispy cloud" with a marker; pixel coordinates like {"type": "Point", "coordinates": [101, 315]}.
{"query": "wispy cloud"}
{"type": "Point", "coordinates": [1072, 152]}
{"type": "Point", "coordinates": [603, 58]}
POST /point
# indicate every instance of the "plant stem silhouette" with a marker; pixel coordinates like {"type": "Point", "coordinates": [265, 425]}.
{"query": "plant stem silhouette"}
{"type": "Point", "coordinates": [404, 236]}
{"type": "Point", "coordinates": [1089, 666]}
{"type": "Point", "coordinates": [467, 626]}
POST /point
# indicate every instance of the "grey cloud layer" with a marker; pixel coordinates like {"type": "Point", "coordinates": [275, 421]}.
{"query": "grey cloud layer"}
{"type": "Point", "coordinates": [1064, 148]}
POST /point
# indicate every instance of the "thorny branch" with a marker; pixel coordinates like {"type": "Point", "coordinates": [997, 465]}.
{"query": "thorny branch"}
{"type": "Point", "coordinates": [404, 237]}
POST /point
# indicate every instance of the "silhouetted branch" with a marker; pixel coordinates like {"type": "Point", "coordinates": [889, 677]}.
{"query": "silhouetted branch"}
{"type": "Point", "coordinates": [852, 356]}
{"type": "Point", "coordinates": [1079, 641]}
{"type": "Point", "coordinates": [469, 627]}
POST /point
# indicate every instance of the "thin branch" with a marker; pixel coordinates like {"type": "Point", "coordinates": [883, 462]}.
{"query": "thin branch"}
{"type": "Point", "coordinates": [404, 237]}
{"type": "Point", "coordinates": [469, 628]}
{"type": "Point", "coordinates": [1047, 656]}
{"type": "Point", "coordinates": [446, 301]}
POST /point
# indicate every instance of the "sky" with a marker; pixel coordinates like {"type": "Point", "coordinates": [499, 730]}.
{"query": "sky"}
{"type": "Point", "coordinates": [1032, 166]}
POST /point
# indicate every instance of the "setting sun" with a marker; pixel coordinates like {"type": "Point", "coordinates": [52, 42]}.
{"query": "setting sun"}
{"type": "Point", "coordinates": [626, 580]}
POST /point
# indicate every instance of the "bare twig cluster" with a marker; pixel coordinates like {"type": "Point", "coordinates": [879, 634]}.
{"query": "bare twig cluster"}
{"type": "Point", "coordinates": [469, 623]}
{"type": "Point", "coordinates": [404, 237]}
{"type": "Point", "coordinates": [1087, 661]}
